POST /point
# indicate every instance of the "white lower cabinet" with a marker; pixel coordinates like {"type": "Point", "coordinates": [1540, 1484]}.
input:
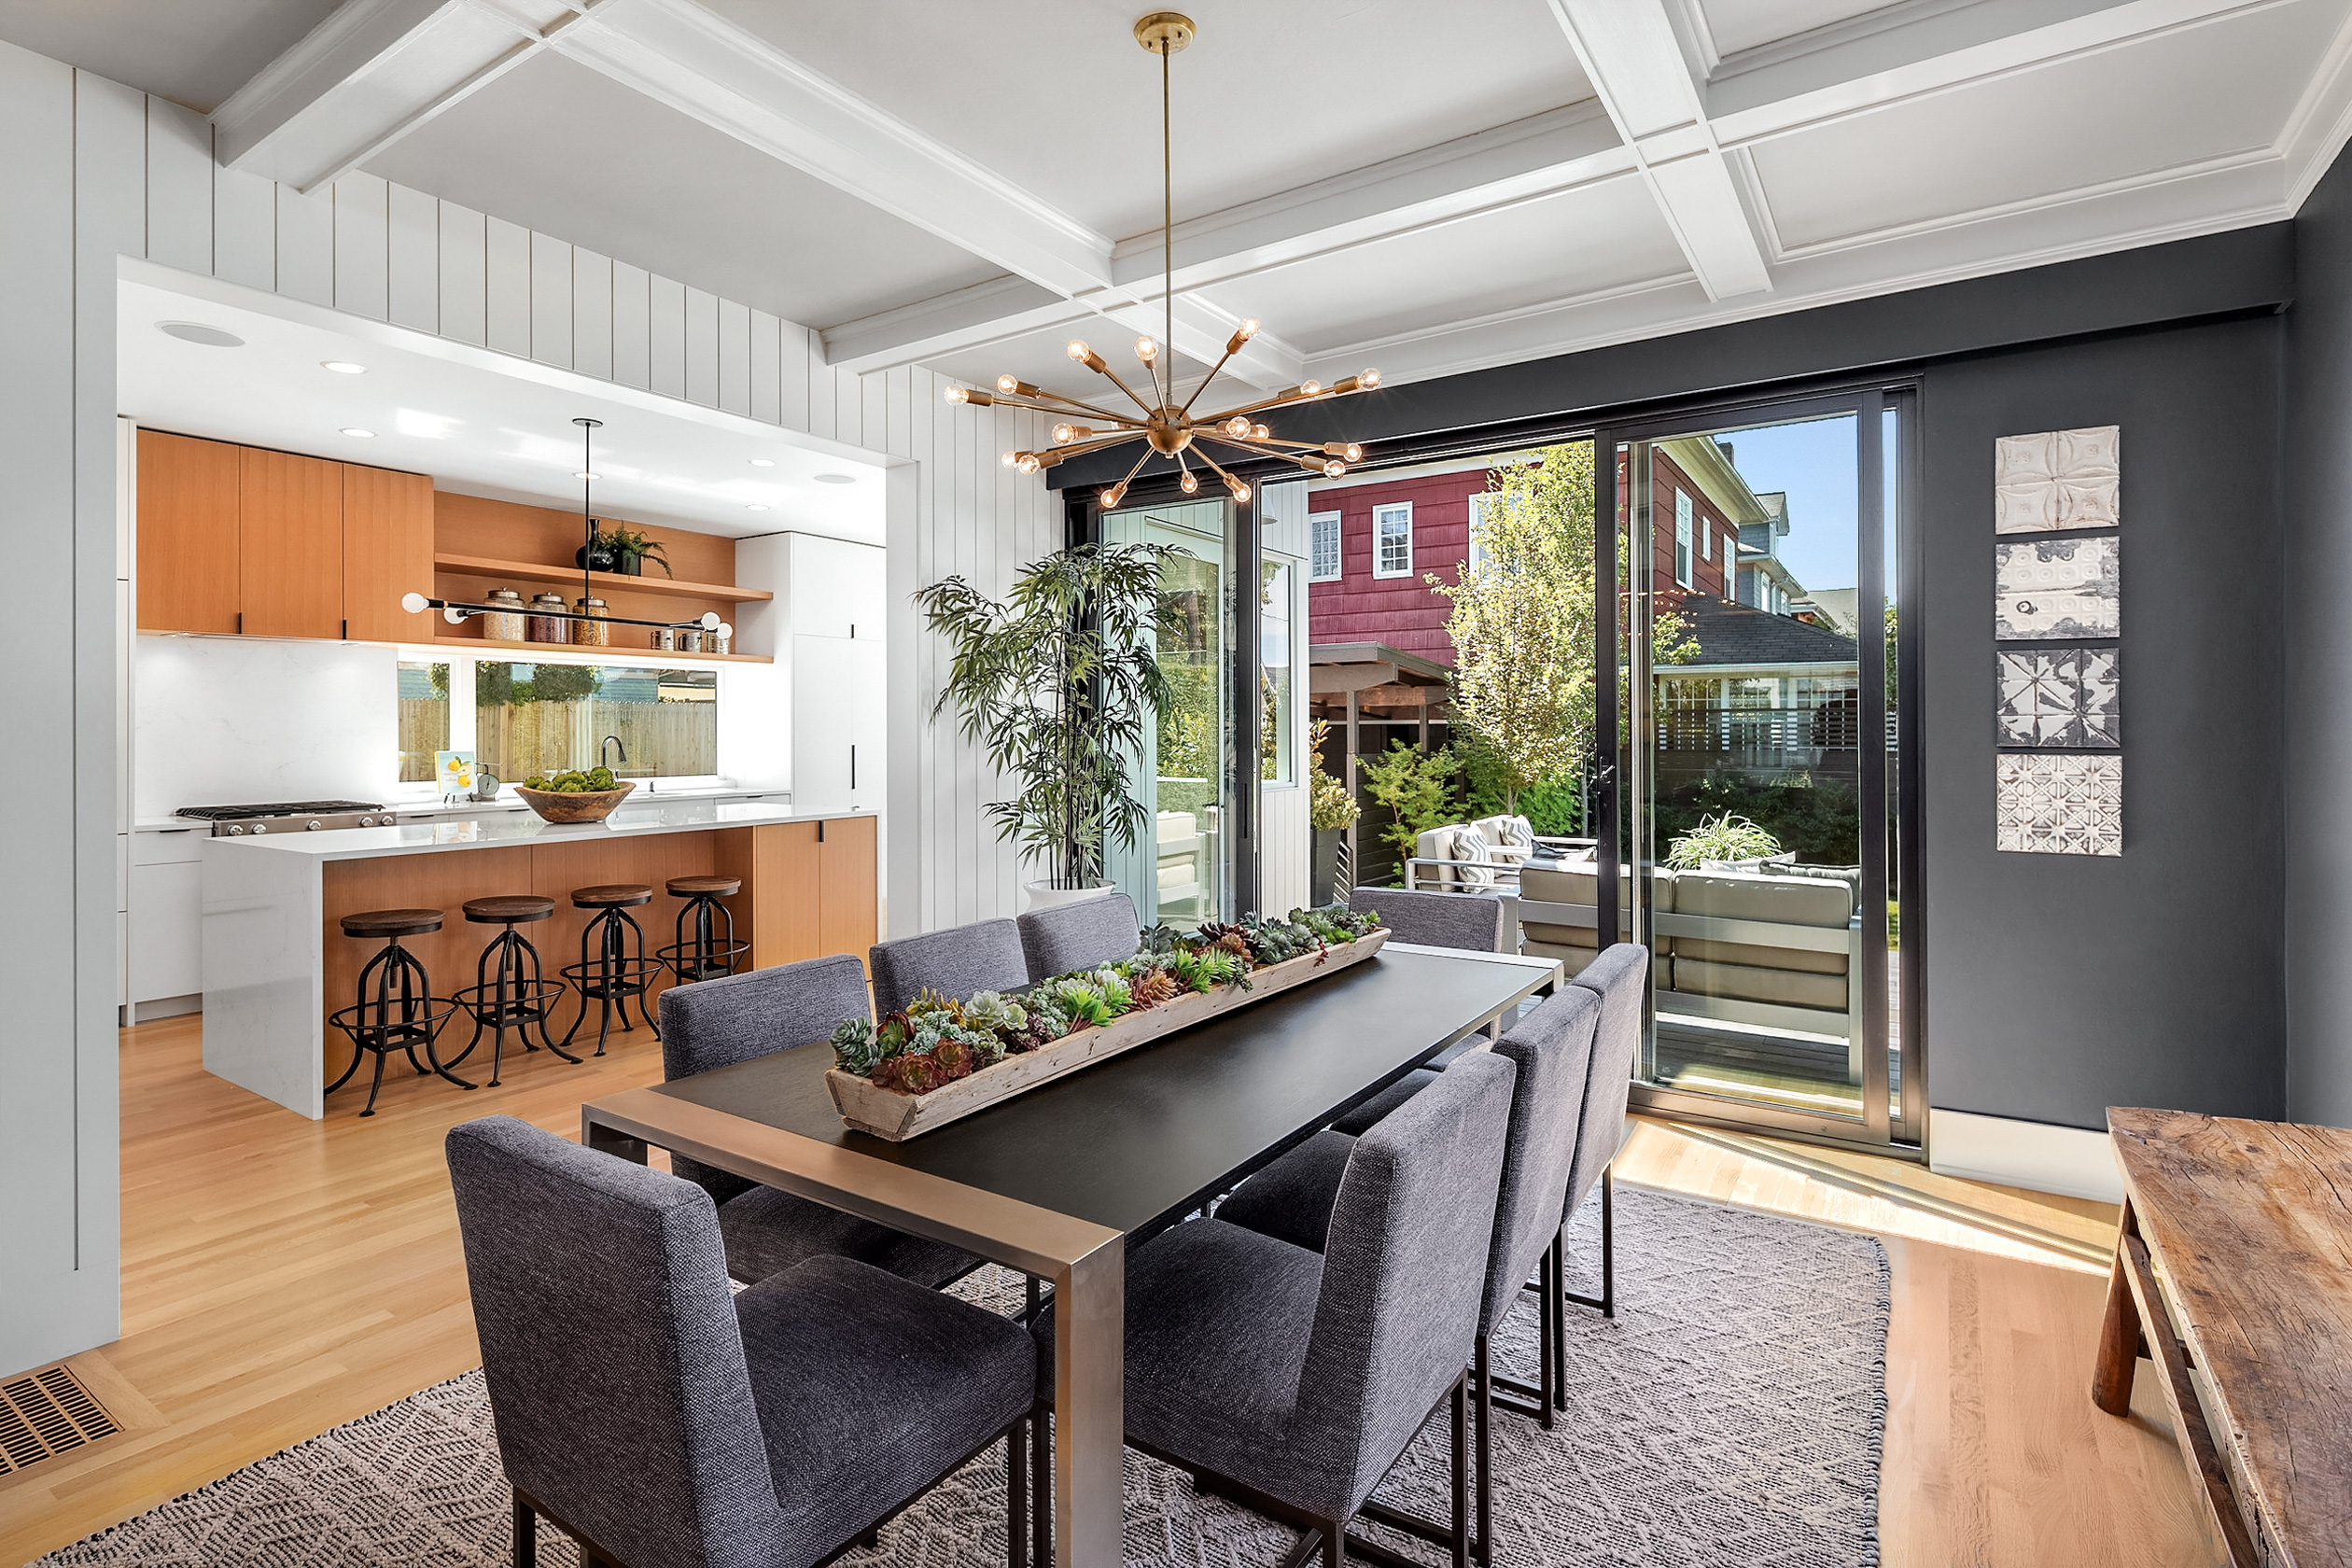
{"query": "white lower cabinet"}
{"type": "Point", "coordinates": [165, 923]}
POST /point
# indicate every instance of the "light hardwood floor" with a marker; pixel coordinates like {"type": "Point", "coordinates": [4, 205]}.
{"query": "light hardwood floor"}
{"type": "Point", "coordinates": [281, 1276]}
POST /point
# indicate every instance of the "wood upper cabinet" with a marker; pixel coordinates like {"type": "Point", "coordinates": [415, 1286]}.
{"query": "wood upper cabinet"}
{"type": "Point", "coordinates": [187, 547]}
{"type": "Point", "coordinates": [387, 550]}
{"type": "Point", "coordinates": [290, 545]}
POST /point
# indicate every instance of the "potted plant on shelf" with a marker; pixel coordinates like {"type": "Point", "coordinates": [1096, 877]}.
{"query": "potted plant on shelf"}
{"type": "Point", "coordinates": [631, 549]}
{"type": "Point", "coordinates": [1059, 684]}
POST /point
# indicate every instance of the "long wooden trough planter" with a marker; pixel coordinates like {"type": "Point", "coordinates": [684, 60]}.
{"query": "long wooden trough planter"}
{"type": "Point", "coordinates": [868, 1107]}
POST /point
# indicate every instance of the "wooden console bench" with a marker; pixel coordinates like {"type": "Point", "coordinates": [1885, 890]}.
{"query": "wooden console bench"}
{"type": "Point", "coordinates": [2233, 1274]}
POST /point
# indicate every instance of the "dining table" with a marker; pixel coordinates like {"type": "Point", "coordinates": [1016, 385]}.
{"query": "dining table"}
{"type": "Point", "coordinates": [1058, 1183]}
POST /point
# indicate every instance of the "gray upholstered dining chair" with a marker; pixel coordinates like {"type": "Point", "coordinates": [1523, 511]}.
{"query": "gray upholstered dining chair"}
{"type": "Point", "coordinates": [985, 956]}
{"type": "Point", "coordinates": [659, 1420]}
{"type": "Point", "coordinates": [1292, 1200]}
{"type": "Point", "coordinates": [1472, 922]}
{"type": "Point", "coordinates": [717, 1023]}
{"type": "Point", "coordinates": [1083, 935]}
{"type": "Point", "coordinates": [1293, 1382]}
{"type": "Point", "coordinates": [1620, 978]}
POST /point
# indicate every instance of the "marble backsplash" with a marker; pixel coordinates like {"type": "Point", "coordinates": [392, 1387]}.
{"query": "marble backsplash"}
{"type": "Point", "coordinates": [223, 720]}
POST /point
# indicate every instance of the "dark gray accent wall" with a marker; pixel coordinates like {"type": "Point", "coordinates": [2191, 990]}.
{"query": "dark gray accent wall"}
{"type": "Point", "coordinates": [2060, 985]}
{"type": "Point", "coordinates": [2317, 674]}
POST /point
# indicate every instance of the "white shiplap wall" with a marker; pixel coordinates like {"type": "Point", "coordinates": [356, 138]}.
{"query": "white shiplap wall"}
{"type": "Point", "coordinates": [1286, 840]}
{"type": "Point", "coordinates": [91, 171]}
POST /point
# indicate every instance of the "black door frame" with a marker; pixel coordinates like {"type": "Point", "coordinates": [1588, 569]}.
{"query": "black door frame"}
{"type": "Point", "coordinates": [1892, 803]}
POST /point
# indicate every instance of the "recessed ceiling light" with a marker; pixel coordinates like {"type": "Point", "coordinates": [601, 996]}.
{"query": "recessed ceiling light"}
{"type": "Point", "coordinates": [836, 479]}
{"type": "Point", "coordinates": [587, 474]}
{"type": "Point", "coordinates": [755, 507]}
{"type": "Point", "coordinates": [354, 430]}
{"type": "Point", "coordinates": [342, 366]}
{"type": "Point", "coordinates": [764, 462]}
{"type": "Point", "coordinates": [197, 332]}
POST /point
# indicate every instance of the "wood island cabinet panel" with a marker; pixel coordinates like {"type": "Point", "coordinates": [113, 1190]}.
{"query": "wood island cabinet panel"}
{"type": "Point", "coordinates": [188, 534]}
{"type": "Point", "coordinates": [387, 550]}
{"type": "Point", "coordinates": [785, 923]}
{"type": "Point", "coordinates": [289, 545]}
{"type": "Point", "coordinates": [846, 902]}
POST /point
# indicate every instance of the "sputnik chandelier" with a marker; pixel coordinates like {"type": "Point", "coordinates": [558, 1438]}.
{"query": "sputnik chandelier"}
{"type": "Point", "coordinates": [1169, 428]}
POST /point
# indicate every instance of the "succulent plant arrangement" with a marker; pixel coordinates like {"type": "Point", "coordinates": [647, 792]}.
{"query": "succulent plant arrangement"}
{"type": "Point", "coordinates": [935, 1040]}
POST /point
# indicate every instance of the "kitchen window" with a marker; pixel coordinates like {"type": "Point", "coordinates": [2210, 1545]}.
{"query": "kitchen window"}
{"type": "Point", "coordinates": [1393, 539]}
{"type": "Point", "coordinates": [1682, 538]}
{"type": "Point", "coordinates": [532, 719]}
{"type": "Point", "coordinates": [424, 705]}
{"type": "Point", "coordinates": [1324, 528]}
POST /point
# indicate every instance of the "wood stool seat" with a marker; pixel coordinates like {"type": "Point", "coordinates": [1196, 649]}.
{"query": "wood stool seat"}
{"type": "Point", "coordinates": [612, 895]}
{"type": "Point", "coordinates": [508, 909]}
{"type": "Point", "coordinates": [708, 886]}
{"type": "Point", "coordinates": [392, 922]}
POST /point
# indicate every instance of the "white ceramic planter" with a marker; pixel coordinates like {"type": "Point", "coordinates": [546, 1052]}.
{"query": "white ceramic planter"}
{"type": "Point", "coordinates": [1045, 895]}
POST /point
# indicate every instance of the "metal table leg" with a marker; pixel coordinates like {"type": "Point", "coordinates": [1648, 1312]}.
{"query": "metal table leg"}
{"type": "Point", "coordinates": [1089, 1390]}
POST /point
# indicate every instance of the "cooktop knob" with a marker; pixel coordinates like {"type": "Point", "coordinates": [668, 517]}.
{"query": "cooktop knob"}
{"type": "Point", "coordinates": [260, 827]}
{"type": "Point", "coordinates": [235, 832]}
{"type": "Point", "coordinates": [314, 824]}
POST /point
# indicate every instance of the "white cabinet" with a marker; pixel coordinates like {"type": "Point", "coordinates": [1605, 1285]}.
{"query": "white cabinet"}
{"type": "Point", "coordinates": [167, 918]}
{"type": "Point", "coordinates": [823, 587]}
{"type": "Point", "coordinates": [837, 723]}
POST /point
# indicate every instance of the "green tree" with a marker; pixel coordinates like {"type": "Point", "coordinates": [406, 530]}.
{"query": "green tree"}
{"type": "Point", "coordinates": [1417, 790]}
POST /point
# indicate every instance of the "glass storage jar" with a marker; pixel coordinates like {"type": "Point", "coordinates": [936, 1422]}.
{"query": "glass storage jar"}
{"type": "Point", "coordinates": [723, 640]}
{"type": "Point", "coordinates": [593, 633]}
{"type": "Point", "coordinates": [665, 639]}
{"type": "Point", "coordinates": [545, 627]}
{"type": "Point", "coordinates": [507, 626]}
{"type": "Point", "coordinates": [690, 639]}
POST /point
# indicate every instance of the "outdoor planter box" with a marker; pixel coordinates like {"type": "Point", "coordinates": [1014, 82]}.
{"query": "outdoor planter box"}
{"type": "Point", "coordinates": [868, 1107]}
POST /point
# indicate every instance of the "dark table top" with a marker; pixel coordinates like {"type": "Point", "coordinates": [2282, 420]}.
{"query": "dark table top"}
{"type": "Point", "coordinates": [1140, 1140]}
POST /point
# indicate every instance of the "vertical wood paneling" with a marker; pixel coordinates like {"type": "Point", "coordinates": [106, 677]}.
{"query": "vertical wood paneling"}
{"type": "Point", "coordinates": [465, 274]}
{"type": "Point", "coordinates": [820, 390]}
{"type": "Point", "coordinates": [632, 325]}
{"type": "Point", "coordinates": [362, 246]}
{"type": "Point", "coordinates": [735, 356]}
{"type": "Point", "coordinates": [245, 229]}
{"type": "Point", "coordinates": [413, 255]}
{"type": "Point", "coordinates": [179, 188]}
{"type": "Point", "coordinates": [914, 747]}
{"type": "Point", "coordinates": [508, 264]}
{"type": "Point", "coordinates": [592, 313]}
{"type": "Point", "coordinates": [702, 347]}
{"type": "Point", "coordinates": [767, 367]}
{"type": "Point", "coordinates": [792, 375]}
{"type": "Point", "coordinates": [874, 393]}
{"type": "Point", "coordinates": [306, 245]}
{"type": "Point", "coordinates": [667, 318]}
{"type": "Point", "coordinates": [550, 301]}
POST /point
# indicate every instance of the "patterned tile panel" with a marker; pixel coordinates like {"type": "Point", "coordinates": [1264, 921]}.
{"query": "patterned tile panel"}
{"type": "Point", "coordinates": [2057, 588]}
{"type": "Point", "coordinates": [2060, 696]}
{"type": "Point", "coordinates": [2059, 479]}
{"type": "Point", "coordinates": [2059, 805]}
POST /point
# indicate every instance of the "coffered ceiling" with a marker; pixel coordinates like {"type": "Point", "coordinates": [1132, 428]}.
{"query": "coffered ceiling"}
{"type": "Point", "coordinates": [1423, 188]}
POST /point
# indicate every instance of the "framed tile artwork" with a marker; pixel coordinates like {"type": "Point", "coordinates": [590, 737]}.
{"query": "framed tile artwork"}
{"type": "Point", "coordinates": [2058, 804]}
{"type": "Point", "coordinates": [2046, 589]}
{"type": "Point", "coordinates": [2059, 479]}
{"type": "Point", "coordinates": [2058, 696]}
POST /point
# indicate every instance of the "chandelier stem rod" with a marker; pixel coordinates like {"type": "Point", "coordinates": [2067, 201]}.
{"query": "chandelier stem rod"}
{"type": "Point", "coordinates": [1062, 405]}
{"type": "Point", "coordinates": [1168, 221]}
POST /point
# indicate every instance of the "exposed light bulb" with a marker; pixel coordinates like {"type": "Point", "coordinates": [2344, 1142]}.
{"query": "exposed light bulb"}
{"type": "Point", "coordinates": [454, 616]}
{"type": "Point", "coordinates": [1310, 389]}
{"type": "Point", "coordinates": [414, 603]}
{"type": "Point", "coordinates": [1238, 426]}
{"type": "Point", "coordinates": [958, 395]}
{"type": "Point", "coordinates": [1064, 434]}
{"type": "Point", "coordinates": [1240, 491]}
{"type": "Point", "coordinates": [1117, 494]}
{"type": "Point", "coordinates": [1008, 384]}
{"type": "Point", "coordinates": [710, 620]}
{"type": "Point", "coordinates": [1260, 431]}
{"type": "Point", "coordinates": [1368, 380]}
{"type": "Point", "coordinates": [1355, 454]}
{"type": "Point", "coordinates": [1249, 328]}
{"type": "Point", "coordinates": [1008, 458]}
{"type": "Point", "coordinates": [1078, 349]}
{"type": "Point", "coordinates": [1190, 483]}
{"type": "Point", "coordinates": [725, 630]}
{"type": "Point", "coordinates": [1333, 469]}
{"type": "Point", "coordinates": [1028, 462]}
{"type": "Point", "coordinates": [1146, 350]}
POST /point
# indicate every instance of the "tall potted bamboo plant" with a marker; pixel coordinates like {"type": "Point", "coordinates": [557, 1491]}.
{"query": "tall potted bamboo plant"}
{"type": "Point", "coordinates": [1060, 686]}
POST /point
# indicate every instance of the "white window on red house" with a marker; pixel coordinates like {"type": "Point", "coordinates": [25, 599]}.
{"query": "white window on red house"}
{"type": "Point", "coordinates": [1682, 538]}
{"type": "Point", "coordinates": [1706, 544]}
{"type": "Point", "coordinates": [1324, 564]}
{"type": "Point", "coordinates": [1393, 539]}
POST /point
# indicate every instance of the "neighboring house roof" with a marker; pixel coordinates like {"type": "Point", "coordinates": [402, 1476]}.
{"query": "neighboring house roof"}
{"type": "Point", "coordinates": [1738, 634]}
{"type": "Point", "coordinates": [1838, 606]}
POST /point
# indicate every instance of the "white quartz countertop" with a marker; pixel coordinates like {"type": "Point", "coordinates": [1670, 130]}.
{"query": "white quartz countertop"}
{"type": "Point", "coordinates": [634, 818]}
{"type": "Point", "coordinates": [507, 801]}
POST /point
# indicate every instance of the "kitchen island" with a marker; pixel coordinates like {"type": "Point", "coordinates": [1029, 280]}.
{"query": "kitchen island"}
{"type": "Point", "coordinates": [276, 963]}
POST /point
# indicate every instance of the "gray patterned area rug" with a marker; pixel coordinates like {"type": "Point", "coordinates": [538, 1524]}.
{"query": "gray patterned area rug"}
{"type": "Point", "coordinates": [1730, 1414]}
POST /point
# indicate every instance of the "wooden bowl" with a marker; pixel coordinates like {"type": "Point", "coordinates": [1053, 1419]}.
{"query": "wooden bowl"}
{"type": "Point", "coordinates": [557, 805]}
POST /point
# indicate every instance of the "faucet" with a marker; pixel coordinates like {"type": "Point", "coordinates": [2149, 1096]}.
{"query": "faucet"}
{"type": "Point", "coordinates": [613, 742]}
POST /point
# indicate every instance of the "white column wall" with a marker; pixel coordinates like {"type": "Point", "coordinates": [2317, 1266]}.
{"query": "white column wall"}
{"type": "Point", "coordinates": [1286, 836]}
{"type": "Point", "coordinates": [91, 171]}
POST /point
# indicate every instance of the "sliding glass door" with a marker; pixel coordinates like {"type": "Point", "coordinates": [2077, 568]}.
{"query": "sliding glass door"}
{"type": "Point", "coordinates": [1751, 709]}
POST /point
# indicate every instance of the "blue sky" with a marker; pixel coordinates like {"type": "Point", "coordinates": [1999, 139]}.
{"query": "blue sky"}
{"type": "Point", "coordinates": [1814, 462]}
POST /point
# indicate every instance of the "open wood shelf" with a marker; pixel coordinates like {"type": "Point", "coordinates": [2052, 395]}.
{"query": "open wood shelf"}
{"type": "Point", "coordinates": [645, 655]}
{"type": "Point", "coordinates": [533, 571]}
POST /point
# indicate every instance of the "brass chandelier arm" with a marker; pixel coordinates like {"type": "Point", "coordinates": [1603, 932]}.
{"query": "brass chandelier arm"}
{"type": "Point", "coordinates": [1288, 396]}
{"type": "Point", "coordinates": [1053, 455]}
{"type": "Point", "coordinates": [1123, 386]}
{"type": "Point", "coordinates": [1069, 406]}
{"type": "Point", "coordinates": [1230, 481]}
{"type": "Point", "coordinates": [1186, 410]}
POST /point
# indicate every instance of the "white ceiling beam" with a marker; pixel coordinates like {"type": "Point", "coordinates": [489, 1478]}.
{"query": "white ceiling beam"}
{"type": "Point", "coordinates": [1630, 52]}
{"type": "Point", "coordinates": [373, 71]}
{"type": "Point", "coordinates": [1924, 47]}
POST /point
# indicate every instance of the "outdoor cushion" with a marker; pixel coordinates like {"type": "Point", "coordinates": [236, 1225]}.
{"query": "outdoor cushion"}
{"type": "Point", "coordinates": [1473, 860]}
{"type": "Point", "coordinates": [1578, 882]}
{"type": "Point", "coordinates": [1804, 961]}
{"type": "Point", "coordinates": [1435, 844]}
{"type": "Point", "coordinates": [1738, 981]}
{"type": "Point", "coordinates": [1795, 900]}
{"type": "Point", "coordinates": [1176, 826]}
{"type": "Point", "coordinates": [1574, 960]}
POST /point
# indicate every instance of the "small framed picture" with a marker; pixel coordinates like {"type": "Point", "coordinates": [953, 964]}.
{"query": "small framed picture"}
{"type": "Point", "coordinates": [456, 771]}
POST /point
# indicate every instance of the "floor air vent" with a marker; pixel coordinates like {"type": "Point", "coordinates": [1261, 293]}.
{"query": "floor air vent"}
{"type": "Point", "coordinates": [46, 1414]}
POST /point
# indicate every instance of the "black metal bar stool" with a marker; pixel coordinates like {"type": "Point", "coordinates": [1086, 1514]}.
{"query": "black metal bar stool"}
{"type": "Point", "coordinates": [393, 1007]}
{"type": "Point", "coordinates": [619, 968]}
{"type": "Point", "coordinates": [704, 953]}
{"type": "Point", "coordinates": [509, 992]}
